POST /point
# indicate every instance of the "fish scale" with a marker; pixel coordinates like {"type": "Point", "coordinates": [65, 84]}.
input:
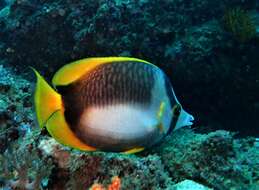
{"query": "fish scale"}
{"type": "Point", "coordinates": [135, 85]}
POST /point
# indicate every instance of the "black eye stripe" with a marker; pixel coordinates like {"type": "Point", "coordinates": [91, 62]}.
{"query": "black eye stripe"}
{"type": "Point", "coordinates": [176, 110]}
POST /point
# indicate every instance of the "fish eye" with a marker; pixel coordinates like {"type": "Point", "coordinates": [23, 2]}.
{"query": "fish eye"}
{"type": "Point", "coordinates": [177, 110]}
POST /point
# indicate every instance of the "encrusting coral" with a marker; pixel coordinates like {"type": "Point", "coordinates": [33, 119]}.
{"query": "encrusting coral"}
{"type": "Point", "coordinates": [16, 116]}
{"type": "Point", "coordinates": [215, 159]}
{"type": "Point", "coordinates": [238, 22]}
{"type": "Point", "coordinates": [114, 185]}
{"type": "Point", "coordinates": [23, 167]}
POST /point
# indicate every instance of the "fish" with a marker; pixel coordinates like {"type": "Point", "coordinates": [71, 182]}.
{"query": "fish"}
{"type": "Point", "coordinates": [110, 104]}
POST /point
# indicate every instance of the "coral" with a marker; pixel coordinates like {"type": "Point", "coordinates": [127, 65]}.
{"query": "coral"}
{"type": "Point", "coordinates": [114, 185]}
{"type": "Point", "coordinates": [238, 22]}
{"type": "Point", "coordinates": [50, 147]}
{"type": "Point", "coordinates": [16, 114]}
{"type": "Point", "coordinates": [215, 159]}
{"type": "Point", "coordinates": [73, 30]}
{"type": "Point", "coordinates": [83, 169]}
{"type": "Point", "coordinates": [97, 187]}
{"type": "Point", "coordinates": [22, 165]}
{"type": "Point", "coordinates": [189, 184]}
{"type": "Point", "coordinates": [134, 172]}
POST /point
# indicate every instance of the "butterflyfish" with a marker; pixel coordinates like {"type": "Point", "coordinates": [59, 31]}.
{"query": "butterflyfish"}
{"type": "Point", "coordinates": [115, 104]}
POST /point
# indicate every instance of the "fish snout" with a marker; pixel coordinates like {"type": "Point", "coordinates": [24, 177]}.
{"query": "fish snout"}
{"type": "Point", "coordinates": [190, 120]}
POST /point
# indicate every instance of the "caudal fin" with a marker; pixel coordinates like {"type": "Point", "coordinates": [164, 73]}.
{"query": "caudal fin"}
{"type": "Point", "coordinates": [46, 100]}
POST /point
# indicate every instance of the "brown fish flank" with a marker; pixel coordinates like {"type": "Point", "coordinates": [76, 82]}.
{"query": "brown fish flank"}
{"type": "Point", "coordinates": [127, 83]}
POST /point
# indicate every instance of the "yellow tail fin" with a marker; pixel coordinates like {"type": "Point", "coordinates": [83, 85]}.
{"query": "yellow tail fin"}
{"type": "Point", "coordinates": [46, 100]}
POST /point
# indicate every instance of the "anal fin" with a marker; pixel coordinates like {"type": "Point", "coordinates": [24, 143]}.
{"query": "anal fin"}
{"type": "Point", "coordinates": [134, 150]}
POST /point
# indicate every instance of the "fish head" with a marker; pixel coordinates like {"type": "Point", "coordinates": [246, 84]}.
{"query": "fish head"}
{"type": "Point", "coordinates": [184, 118]}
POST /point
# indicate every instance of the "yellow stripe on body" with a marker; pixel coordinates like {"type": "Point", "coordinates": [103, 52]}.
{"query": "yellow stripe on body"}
{"type": "Point", "coordinates": [160, 114]}
{"type": "Point", "coordinates": [59, 130]}
{"type": "Point", "coordinates": [161, 110]}
{"type": "Point", "coordinates": [73, 71]}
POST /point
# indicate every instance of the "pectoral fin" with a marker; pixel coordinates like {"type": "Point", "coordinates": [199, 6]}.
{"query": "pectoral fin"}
{"type": "Point", "coordinates": [59, 129]}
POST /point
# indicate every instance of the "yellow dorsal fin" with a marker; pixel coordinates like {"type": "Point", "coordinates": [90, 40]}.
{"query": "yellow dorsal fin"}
{"type": "Point", "coordinates": [73, 71]}
{"type": "Point", "coordinates": [134, 150]}
{"type": "Point", "coordinates": [46, 100]}
{"type": "Point", "coordinates": [59, 130]}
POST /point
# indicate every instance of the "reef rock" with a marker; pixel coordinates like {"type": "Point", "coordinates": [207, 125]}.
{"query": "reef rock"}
{"type": "Point", "coordinates": [215, 159]}
{"type": "Point", "coordinates": [16, 113]}
{"type": "Point", "coordinates": [189, 184]}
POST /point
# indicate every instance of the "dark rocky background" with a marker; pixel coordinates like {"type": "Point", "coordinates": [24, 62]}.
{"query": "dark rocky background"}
{"type": "Point", "coordinates": [208, 48]}
{"type": "Point", "coordinates": [214, 72]}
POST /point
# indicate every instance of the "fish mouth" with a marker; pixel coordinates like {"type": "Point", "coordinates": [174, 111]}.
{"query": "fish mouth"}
{"type": "Point", "coordinates": [190, 120]}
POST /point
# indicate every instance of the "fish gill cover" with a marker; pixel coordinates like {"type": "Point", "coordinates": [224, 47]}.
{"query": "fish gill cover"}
{"type": "Point", "coordinates": [197, 43]}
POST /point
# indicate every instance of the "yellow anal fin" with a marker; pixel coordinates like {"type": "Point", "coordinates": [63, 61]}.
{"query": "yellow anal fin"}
{"type": "Point", "coordinates": [46, 100]}
{"type": "Point", "coordinates": [73, 71]}
{"type": "Point", "coordinates": [59, 130]}
{"type": "Point", "coordinates": [160, 114]}
{"type": "Point", "coordinates": [134, 150]}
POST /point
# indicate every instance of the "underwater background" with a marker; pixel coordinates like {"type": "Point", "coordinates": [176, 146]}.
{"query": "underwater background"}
{"type": "Point", "coordinates": [208, 48]}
